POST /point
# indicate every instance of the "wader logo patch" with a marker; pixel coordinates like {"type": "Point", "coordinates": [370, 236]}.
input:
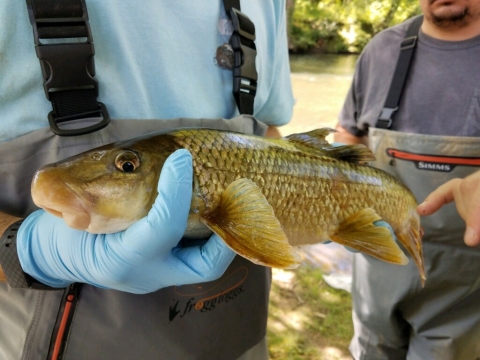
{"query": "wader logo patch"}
{"type": "Point", "coordinates": [433, 162]}
{"type": "Point", "coordinates": [209, 296]}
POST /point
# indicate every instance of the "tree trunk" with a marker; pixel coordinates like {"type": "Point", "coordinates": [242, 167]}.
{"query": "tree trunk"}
{"type": "Point", "coordinates": [391, 13]}
{"type": "Point", "coordinates": [290, 9]}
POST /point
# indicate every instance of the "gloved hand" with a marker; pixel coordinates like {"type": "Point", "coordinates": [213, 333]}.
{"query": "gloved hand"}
{"type": "Point", "coordinates": [141, 259]}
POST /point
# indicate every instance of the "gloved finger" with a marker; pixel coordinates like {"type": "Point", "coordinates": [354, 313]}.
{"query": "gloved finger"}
{"type": "Point", "coordinates": [167, 220]}
{"type": "Point", "coordinates": [208, 261]}
{"type": "Point", "coordinates": [27, 247]}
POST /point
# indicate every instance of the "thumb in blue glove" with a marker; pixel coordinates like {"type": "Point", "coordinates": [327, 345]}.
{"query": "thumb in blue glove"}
{"type": "Point", "coordinates": [141, 259]}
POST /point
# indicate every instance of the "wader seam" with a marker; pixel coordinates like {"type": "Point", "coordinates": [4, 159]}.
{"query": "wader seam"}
{"type": "Point", "coordinates": [32, 329]}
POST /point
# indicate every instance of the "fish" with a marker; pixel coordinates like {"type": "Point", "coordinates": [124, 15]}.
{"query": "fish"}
{"type": "Point", "coordinates": [264, 197]}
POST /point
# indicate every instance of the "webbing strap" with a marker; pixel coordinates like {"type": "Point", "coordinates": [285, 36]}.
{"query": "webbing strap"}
{"type": "Point", "coordinates": [243, 44]}
{"type": "Point", "coordinates": [407, 50]}
{"type": "Point", "coordinates": [64, 46]}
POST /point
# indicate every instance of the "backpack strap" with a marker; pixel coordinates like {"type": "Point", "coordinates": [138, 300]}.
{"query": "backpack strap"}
{"type": "Point", "coordinates": [244, 51]}
{"type": "Point", "coordinates": [64, 46]}
{"type": "Point", "coordinates": [407, 50]}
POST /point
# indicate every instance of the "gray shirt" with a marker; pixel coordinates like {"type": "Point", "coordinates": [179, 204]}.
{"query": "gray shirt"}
{"type": "Point", "coordinates": [441, 95]}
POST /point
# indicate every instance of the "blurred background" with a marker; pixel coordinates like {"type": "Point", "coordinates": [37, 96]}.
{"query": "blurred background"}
{"type": "Point", "coordinates": [310, 307]}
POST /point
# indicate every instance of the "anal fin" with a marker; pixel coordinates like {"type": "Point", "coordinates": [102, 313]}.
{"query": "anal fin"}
{"type": "Point", "coordinates": [246, 222]}
{"type": "Point", "coordinates": [359, 233]}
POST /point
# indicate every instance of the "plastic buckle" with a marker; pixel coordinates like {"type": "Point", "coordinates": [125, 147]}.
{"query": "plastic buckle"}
{"type": "Point", "coordinates": [101, 112]}
{"type": "Point", "coordinates": [244, 72]}
{"type": "Point", "coordinates": [385, 118]}
{"type": "Point", "coordinates": [409, 43]}
{"type": "Point", "coordinates": [58, 60]}
{"type": "Point", "coordinates": [68, 65]}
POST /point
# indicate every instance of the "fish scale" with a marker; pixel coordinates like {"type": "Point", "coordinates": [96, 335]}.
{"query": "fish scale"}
{"type": "Point", "coordinates": [284, 176]}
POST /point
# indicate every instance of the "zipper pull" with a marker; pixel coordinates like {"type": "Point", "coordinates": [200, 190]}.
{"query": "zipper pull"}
{"type": "Point", "coordinates": [73, 293]}
{"type": "Point", "coordinates": [70, 301]}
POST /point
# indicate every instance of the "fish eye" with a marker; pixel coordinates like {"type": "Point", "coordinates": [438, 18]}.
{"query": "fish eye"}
{"type": "Point", "coordinates": [127, 161]}
{"type": "Point", "coordinates": [128, 166]}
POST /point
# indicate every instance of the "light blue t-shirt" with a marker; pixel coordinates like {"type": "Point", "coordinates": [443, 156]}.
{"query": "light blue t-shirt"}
{"type": "Point", "coordinates": [153, 59]}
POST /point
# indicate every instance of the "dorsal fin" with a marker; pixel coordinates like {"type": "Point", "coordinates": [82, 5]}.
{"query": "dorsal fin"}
{"type": "Point", "coordinates": [314, 142]}
{"type": "Point", "coordinates": [312, 139]}
{"type": "Point", "coordinates": [356, 153]}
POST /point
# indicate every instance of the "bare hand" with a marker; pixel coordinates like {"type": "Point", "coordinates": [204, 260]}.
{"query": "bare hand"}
{"type": "Point", "coordinates": [466, 194]}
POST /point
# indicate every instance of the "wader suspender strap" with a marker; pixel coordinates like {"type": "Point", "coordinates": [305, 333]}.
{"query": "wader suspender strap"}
{"type": "Point", "coordinates": [244, 51]}
{"type": "Point", "coordinates": [64, 46]}
{"type": "Point", "coordinates": [407, 49]}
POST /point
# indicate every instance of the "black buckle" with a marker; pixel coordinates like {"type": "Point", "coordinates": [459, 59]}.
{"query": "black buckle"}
{"type": "Point", "coordinates": [385, 119]}
{"type": "Point", "coordinates": [67, 66]}
{"type": "Point", "coordinates": [245, 75]}
{"type": "Point", "coordinates": [100, 112]}
{"type": "Point", "coordinates": [58, 76]}
{"type": "Point", "coordinates": [409, 43]}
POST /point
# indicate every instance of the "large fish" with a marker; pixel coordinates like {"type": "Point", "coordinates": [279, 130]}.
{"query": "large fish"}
{"type": "Point", "coordinates": [261, 196]}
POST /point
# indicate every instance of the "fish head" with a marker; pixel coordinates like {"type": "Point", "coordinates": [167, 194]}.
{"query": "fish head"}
{"type": "Point", "coordinates": [103, 190]}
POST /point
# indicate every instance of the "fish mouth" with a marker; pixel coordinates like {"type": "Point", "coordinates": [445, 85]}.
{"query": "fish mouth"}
{"type": "Point", "coordinates": [77, 218]}
{"type": "Point", "coordinates": [60, 199]}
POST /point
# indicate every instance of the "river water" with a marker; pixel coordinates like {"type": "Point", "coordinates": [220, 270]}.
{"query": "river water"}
{"type": "Point", "coordinates": [320, 83]}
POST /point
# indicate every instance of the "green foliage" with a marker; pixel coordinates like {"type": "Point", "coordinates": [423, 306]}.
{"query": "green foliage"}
{"type": "Point", "coordinates": [343, 25]}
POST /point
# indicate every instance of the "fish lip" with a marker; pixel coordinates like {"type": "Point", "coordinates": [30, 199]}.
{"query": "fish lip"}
{"type": "Point", "coordinates": [85, 215]}
{"type": "Point", "coordinates": [75, 215]}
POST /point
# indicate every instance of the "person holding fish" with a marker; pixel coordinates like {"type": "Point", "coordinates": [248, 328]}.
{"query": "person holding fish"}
{"type": "Point", "coordinates": [143, 292]}
{"type": "Point", "coordinates": [415, 100]}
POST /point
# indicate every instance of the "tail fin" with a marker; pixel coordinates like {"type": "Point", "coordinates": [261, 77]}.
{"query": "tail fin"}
{"type": "Point", "coordinates": [412, 241]}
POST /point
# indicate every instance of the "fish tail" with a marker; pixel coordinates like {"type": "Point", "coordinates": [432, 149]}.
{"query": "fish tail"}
{"type": "Point", "coordinates": [412, 241]}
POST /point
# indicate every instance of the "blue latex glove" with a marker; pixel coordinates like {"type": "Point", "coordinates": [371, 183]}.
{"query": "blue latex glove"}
{"type": "Point", "coordinates": [141, 259]}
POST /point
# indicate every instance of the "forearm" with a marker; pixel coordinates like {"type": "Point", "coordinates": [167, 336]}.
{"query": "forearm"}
{"type": "Point", "coordinates": [5, 221]}
{"type": "Point", "coordinates": [273, 132]}
{"type": "Point", "coordinates": [343, 136]}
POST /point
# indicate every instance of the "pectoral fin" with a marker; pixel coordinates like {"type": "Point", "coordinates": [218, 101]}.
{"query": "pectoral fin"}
{"type": "Point", "coordinates": [246, 222]}
{"type": "Point", "coordinates": [359, 233]}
